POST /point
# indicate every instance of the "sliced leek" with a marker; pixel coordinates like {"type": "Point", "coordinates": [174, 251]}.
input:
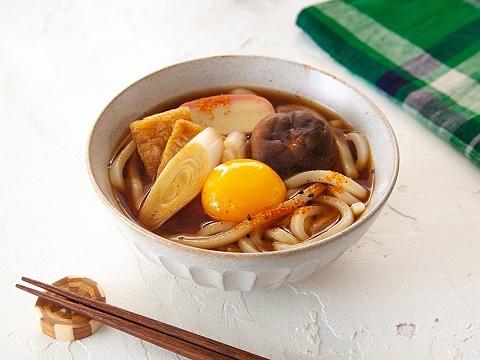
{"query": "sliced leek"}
{"type": "Point", "coordinates": [182, 179]}
{"type": "Point", "coordinates": [235, 146]}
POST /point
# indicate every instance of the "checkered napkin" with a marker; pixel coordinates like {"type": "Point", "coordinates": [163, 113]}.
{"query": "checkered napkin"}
{"type": "Point", "coordinates": [425, 54]}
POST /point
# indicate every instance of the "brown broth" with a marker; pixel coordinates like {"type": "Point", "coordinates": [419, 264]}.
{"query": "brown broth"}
{"type": "Point", "coordinates": [192, 217]}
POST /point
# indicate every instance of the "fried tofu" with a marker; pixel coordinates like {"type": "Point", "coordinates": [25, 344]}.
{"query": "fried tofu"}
{"type": "Point", "coordinates": [152, 133]}
{"type": "Point", "coordinates": [183, 132]}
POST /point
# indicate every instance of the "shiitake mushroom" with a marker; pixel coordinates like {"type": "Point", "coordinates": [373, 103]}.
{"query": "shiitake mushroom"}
{"type": "Point", "coordinates": [293, 142]}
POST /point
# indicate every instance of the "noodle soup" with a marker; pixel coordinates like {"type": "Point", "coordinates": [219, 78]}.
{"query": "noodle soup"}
{"type": "Point", "coordinates": [242, 170]}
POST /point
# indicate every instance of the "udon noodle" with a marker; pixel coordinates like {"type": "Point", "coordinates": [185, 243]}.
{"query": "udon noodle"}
{"type": "Point", "coordinates": [315, 201]}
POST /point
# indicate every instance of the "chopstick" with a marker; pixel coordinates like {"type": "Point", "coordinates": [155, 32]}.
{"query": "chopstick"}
{"type": "Point", "coordinates": [167, 336]}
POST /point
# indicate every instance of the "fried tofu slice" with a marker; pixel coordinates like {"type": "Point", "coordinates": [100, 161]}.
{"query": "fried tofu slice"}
{"type": "Point", "coordinates": [152, 133]}
{"type": "Point", "coordinates": [183, 132]}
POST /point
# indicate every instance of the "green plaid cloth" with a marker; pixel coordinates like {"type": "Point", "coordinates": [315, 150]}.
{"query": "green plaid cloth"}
{"type": "Point", "coordinates": [424, 54]}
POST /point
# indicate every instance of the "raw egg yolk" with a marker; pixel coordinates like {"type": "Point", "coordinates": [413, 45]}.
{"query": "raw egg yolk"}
{"type": "Point", "coordinates": [239, 188]}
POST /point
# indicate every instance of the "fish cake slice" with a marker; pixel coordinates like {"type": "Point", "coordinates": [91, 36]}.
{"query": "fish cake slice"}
{"type": "Point", "coordinates": [152, 133]}
{"type": "Point", "coordinates": [183, 132]}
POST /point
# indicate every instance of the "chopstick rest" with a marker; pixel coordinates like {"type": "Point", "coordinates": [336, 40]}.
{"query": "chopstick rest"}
{"type": "Point", "coordinates": [62, 324]}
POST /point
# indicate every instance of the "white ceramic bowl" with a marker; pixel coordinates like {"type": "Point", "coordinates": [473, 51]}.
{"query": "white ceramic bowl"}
{"type": "Point", "coordinates": [231, 271]}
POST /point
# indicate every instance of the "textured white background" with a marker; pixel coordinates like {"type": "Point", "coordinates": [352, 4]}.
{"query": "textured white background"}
{"type": "Point", "coordinates": [408, 290]}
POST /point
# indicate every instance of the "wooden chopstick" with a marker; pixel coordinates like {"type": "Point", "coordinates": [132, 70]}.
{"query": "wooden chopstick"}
{"type": "Point", "coordinates": [171, 330]}
{"type": "Point", "coordinates": [180, 341]}
{"type": "Point", "coordinates": [168, 342]}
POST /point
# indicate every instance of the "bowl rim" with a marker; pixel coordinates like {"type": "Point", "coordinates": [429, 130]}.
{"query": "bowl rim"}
{"type": "Point", "coordinates": [261, 255]}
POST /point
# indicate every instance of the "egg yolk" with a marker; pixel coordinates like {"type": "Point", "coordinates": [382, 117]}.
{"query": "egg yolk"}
{"type": "Point", "coordinates": [239, 188]}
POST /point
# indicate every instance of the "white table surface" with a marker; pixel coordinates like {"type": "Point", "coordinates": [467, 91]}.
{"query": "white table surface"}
{"type": "Point", "coordinates": [408, 290]}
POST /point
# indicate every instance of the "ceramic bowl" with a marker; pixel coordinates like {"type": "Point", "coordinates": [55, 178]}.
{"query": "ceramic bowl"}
{"type": "Point", "coordinates": [232, 271]}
